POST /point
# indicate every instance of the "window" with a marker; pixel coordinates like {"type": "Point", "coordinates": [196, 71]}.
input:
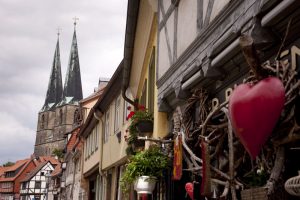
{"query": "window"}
{"type": "Point", "coordinates": [96, 136]}
{"type": "Point", "coordinates": [126, 111]}
{"type": "Point", "coordinates": [37, 185]}
{"type": "Point", "coordinates": [144, 94]}
{"type": "Point", "coordinates": [77, 117]}
{"type": "Point", "coordinates": [42, 121]}
{"type": "Point", "coordinates": [117, 113]}
{"type": "Point", "coordinates": [93, 140]}
{"type": "Point", "coordinates": [60, 116]}
{"type": "Point", "coordinates": [37, 197]}
{"type": "Point", "coordinates": [151, 82]}
{"type": "Point", "coordinates": [89, 145]}
{"type": "Point", "coordinates": [106, 128]}
{"type": "Point", "coordinates": [85, 149]}
{"type": "Point", "coordinates": [23, 186]}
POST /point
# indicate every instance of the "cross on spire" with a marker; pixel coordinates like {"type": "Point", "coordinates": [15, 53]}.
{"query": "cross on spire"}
{"type": "Point", "coordinates": [58, 31]}
{"type": "Point", "coordinates": [75, 21]}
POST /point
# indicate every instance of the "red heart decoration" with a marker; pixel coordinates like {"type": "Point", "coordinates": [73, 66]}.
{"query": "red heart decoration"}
{"type": "Point", "coordinates": [189, 187]}
{"type": "Point", "coordinates": [254, 111]}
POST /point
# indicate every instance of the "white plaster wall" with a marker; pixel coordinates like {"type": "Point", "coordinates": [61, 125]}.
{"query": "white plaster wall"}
{"type": "Point", "coordinates": [166, 3]}
{"type": "Point", "coordinates": [187, 25]}
{"type": "Point", "coordinates": [218, 6]}
{"type": "Point", "coordinates": [163, 57]}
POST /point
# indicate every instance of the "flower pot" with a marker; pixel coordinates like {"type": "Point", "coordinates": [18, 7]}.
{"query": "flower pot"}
{"type": "Point", "coordinates": [259, 193]}
{"type": "Point", "coordinates": [144, 126]}
{"type": "Point", "coordinates": [145, 184]}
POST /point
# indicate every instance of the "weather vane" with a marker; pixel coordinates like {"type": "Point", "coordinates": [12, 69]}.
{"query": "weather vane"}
{"type": "Point", "coordinates": [75, 21]}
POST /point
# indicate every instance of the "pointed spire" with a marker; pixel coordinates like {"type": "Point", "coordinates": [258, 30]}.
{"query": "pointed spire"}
{"type": "Point", "coordinates": [72, 88]}
{"type": "Point", "coordinates": [55, 90]}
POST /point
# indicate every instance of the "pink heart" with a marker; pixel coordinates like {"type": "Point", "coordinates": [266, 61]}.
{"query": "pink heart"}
{"type": "Point", "coordinates": [189, 187]}
{"type": "Point", "coordinates": [254, 111]}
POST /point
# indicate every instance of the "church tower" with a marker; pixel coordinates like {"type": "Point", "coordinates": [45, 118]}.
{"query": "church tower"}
{"type": "Point", "coordinates": [60, 113]}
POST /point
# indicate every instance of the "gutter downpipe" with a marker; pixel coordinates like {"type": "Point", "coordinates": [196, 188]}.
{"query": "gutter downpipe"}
{"type": "Point", "coordinates": [268, 18]}
{"type": "Point", "coordinates": [132, 15]}
{"type": "Point", "coordinates": [97, 115]}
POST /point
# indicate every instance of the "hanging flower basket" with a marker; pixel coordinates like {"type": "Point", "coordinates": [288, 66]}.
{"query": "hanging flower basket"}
{"type": "Point", "coordinates": [259, 193]}
{"type": "Point", "coordinates": [144, 126]}
{"type": "Point", "coordinates": [145, 184]}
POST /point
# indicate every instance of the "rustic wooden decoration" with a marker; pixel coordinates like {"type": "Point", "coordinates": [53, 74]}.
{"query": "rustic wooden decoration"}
{"type": "Point", "coordinates": [229, 162]}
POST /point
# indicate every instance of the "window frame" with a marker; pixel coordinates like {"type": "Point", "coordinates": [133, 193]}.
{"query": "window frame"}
{"type": "Point", "coordinates": [117, 114]}
{"type": "Point", "coordinates": [106, 126]}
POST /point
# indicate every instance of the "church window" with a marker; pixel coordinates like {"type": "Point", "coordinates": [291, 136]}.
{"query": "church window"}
{"type": "Point", "coordinates": [77, 117]}
{"type": "Point", "coordinates": [42, 121]}
{"type": "Point", "coordinates": [60, 116]}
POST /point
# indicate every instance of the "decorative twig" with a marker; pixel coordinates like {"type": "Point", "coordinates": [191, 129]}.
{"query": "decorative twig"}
{"type": "Point", "coordinates": [276, 171]}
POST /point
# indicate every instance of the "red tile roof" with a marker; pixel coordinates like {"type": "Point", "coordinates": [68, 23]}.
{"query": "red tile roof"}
{"type": "Point", "coordinates": [57, 170]}
{"type": "Point", "coordinates": [34, 171]}
{"type": "Point", "coordinates": [20, 164]}
{"type": "Point", "coordinates": [73, 139]}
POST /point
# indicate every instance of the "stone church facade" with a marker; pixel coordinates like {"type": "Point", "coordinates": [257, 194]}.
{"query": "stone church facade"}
{"type": "Point", "coordinates": [60, 113]}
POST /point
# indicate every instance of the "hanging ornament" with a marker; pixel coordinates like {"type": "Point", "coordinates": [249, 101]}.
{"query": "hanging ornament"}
{"type": "Point", "coordinates": [254, 112]}
{"type": "Point", "coordinates": [189, 188]}
{"type": "Point", "coordinates": [177, 162]}
{"type": "Point", "coordinates": [206, 175]}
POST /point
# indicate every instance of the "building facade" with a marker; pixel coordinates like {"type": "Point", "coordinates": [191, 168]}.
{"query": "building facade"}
{"type": "Point", "coordinates": [199, 50]}
{"type": "Point", "coordinates": [34, 185]}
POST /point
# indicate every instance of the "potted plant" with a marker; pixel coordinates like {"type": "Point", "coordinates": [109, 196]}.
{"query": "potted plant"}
{"type": "Point", "coordinates": [141, 120]}
{"type": "Point", "coordinates": [141, 124]}
{"type": "Point", "coordinates": [256, 182]}
{"type": "Point", "coordinates": [143, 169]}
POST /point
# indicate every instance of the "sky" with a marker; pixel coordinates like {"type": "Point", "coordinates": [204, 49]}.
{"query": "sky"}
{"type": "Point", "coordinates": [28, 35]}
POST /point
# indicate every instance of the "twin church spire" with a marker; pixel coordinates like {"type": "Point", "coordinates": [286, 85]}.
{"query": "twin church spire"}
{"type": "Point", "coordinates": [72, 91]}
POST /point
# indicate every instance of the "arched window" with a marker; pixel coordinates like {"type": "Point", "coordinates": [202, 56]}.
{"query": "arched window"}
{"type": "Point", "coordinates": [77, 116]}
{"type": "Point", "coordinates": [42, 121]}
{"type": "Point", "coordinates": [60, 116]}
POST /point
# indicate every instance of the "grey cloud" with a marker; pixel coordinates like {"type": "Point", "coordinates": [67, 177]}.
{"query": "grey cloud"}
{"type": "Point", "coordinates": [28, 38]}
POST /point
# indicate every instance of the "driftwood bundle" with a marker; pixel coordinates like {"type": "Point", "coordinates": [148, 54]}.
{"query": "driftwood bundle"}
{"type": "Point", "coordinates": [229, 164]}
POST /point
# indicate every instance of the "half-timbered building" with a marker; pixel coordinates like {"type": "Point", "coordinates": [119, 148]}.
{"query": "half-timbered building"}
{"type": "Point", "coordinates": [199, 49]}
{"type": "Point", "coordinates": [34, 186]}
